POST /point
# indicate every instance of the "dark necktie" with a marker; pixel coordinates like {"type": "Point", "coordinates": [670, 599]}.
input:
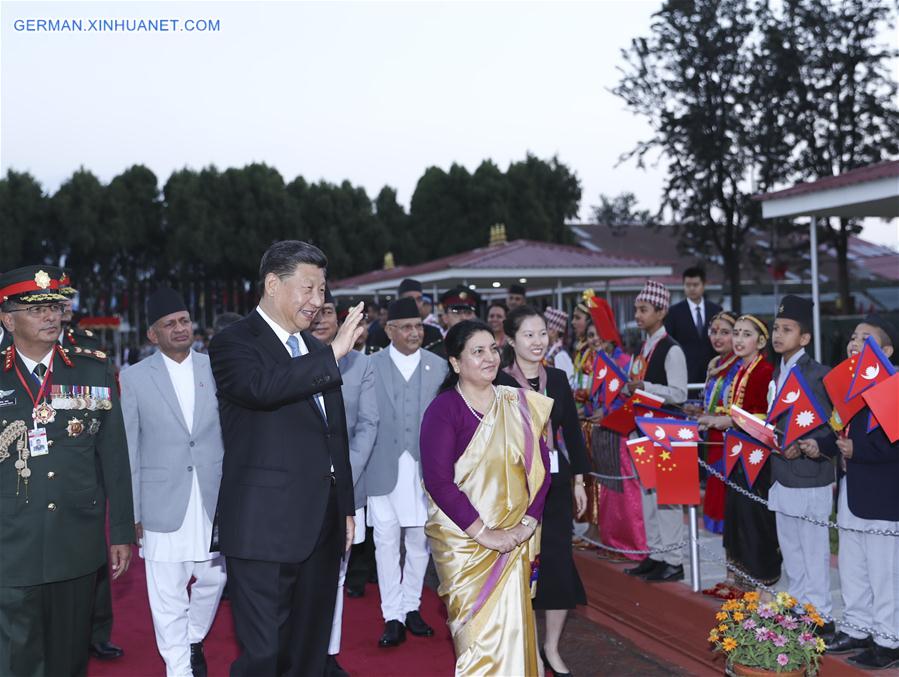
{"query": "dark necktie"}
{"type": "Point", "coordinates": [294, 344]}
{"type": "Point", "coordinates": [38, 373]}
{"type": "Point", "coordinates": [700, 326]}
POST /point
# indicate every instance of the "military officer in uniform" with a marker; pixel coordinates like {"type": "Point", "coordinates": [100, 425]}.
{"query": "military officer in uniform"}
{"type": "Point", "coordinates": [60, 426]}
{"type": "Point", "coordinates": [70, 335]}
{"type": "Point", "coordinates": [459, 303]}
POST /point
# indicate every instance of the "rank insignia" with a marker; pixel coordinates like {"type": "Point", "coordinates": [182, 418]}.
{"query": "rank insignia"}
{"type": "Point", "coordinates": [93, 427]}
{"type": "Point", "coordinates": [75, 427]}
{"type": "Point", "coordinates": [42, 279]}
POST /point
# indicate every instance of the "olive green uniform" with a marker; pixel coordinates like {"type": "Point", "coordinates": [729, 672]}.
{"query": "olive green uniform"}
{"type": "Point", "coordinates": [52, 536]}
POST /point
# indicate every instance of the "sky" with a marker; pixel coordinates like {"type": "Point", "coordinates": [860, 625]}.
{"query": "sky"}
{"type": "Point", "coordinates": [371, 92]}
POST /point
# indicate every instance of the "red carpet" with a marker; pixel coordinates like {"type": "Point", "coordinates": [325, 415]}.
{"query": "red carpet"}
{"type": "Point", "coordinates": [359, 655]}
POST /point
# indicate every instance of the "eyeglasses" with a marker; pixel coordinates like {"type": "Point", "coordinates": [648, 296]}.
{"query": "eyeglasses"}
{"type": "Point", "coordinates": [408, 327]}
{"type": "Point", "coordinates": [40, 311]}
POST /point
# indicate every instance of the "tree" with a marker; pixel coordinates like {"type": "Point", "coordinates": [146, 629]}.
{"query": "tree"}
{"type": "Point", "coordinates": [24, 225]}
{"type": "Point", "coordinates": [619, 212]}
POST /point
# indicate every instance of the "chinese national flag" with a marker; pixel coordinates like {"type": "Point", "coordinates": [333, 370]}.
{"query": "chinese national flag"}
{"type": "Point", "coordinates": [883, 401]}
{"type": "Point", "coordinates": [795, 399]}
{"type": "Point", "coordinates": [734, 443]}
{"type": "Point", "coordinates": [677, 474]}
{"type": "Point", "coordinates": [609, 378]}
{"type": "Point", "coordinates": [836, 383]}
{"type": "Point", "coordinates": [873, 367]}
{"type": "Point", "coordinates": [643, 452]}
{"type": "Point", "coordinates": [754, 426]}
{"type": "Point", "coordinates": [666, 431]}
{"type": "Point", "coordinates": [621, 420]}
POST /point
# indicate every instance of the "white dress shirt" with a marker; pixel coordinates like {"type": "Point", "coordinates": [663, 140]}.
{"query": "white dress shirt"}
{"type": "Point", "coordinates": [694, 306]}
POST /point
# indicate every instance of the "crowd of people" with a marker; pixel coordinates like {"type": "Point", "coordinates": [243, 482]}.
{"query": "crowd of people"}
{"type": "Point", "coordinates": [320, 446]}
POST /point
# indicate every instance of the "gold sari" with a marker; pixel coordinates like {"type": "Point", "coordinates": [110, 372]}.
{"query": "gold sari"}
{"type": "Point", "coordinates": [487, 593]}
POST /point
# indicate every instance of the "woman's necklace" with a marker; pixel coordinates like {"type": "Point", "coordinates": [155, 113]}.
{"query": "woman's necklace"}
{"type": "Point", "coordinates": [468, 404]}
{"type": "Point", "coordinates": [741, 382]}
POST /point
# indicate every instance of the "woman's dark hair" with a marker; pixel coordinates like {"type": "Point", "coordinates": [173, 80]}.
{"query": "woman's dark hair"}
{"type": "Point", "coordinates": [511, 325]}
{"type": "Point", "coordinates": [454, 343]}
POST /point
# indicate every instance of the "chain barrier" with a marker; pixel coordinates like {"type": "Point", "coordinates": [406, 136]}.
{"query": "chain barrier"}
{"type": "Point", "coordinates": [612, 477]}
{"type": "Point", "coordinates": [820, 523]}
{"type": "Point", "coordinates": [658, 551]}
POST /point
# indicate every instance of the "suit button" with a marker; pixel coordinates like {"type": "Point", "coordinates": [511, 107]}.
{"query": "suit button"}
{"type": "Point", "coordinates": [190, 468]}
{"type": "Point", "coordinates": [51, 507]}
{"type": "Point", "coordinates": [51, 475]}
{"type": "Point", "coordinates": [192, 443]}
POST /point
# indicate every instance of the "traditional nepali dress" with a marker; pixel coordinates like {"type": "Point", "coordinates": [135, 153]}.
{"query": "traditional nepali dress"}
{"type": "Point", "coordinates": [722, 371]}
{"type": "Point", "coordinates": [582, 383]}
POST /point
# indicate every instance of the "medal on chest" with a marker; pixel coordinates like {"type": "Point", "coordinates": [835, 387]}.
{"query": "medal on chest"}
{"type": "Point", "coordinates": [43, 414]}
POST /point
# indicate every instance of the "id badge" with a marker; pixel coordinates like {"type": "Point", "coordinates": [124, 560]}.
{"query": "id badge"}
{"type": "Point", "coordinates": [553, 461]}
{"type": "Point", "coordinates": [37, 442]}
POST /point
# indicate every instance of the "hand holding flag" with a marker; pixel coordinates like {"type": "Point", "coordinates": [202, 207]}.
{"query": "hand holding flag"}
{"type": "Point", "coordinates": [608, 378]}
{"type": "Point", "coordinates": [755, 427]}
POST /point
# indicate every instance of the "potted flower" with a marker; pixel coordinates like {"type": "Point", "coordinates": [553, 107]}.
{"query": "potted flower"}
{"type": "Point", "coordinates": [773, 637]}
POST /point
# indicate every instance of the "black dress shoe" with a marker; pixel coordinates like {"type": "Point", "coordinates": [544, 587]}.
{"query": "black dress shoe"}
{"type": "Point", "coordinates": [355, 591]}
{"type": "Point", "coordinates": [548, 666]}
{"type": "Point", "coordinates": [105, 650]}
{"type": "Point", "coordinates": [843, 643]}
{"type": "Point", "coordinates": [197, 660]}
{"type": "Point", "coordinates": [826, 632]}
{"type": "Point", "coordinates": [644, 567]}
{"type": "Point", "coordinates": [876, 658]}
{"type": "Point", "coordinates": [394, 634]}
{"type": "Point", "coordinates": [416, 625]}
{"type": "Point", "coordinates": [666, 572]}
{"type": "Point", "coordinates": [333, 669]}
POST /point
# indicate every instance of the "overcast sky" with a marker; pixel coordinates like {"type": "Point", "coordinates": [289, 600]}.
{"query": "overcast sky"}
{"type": "Point", "coordinates": [372, 92]}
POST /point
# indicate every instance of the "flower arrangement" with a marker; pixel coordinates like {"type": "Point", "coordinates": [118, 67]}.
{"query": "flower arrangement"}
{"type": "Point", "coordinates": [777, 635]}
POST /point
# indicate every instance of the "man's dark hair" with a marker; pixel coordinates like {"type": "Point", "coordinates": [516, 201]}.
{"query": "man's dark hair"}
{"type": "Point", "coordinates": [283, 257]}
{"type": "Point", "coordinates": [695, 271]}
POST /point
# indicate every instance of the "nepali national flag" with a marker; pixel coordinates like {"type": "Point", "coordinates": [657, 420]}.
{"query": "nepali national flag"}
{"type": "Point", "coordinates": [677, 474]}
{"type": "Point", "coordinates": [666, 431]}
{"type": "Point", "coordinates": [734, 443]}
{"type": "Point", "coordinates": [621, 420]}
{"type": "Point", "coordinates": [836, 383]}
{"type": "Point", "coordinates": [608, 378]}
{"type": "Point", "coordinates": [873, 367]}
{"type": "Point", "coordinates": [753, 456]}
{"type": "Point", "coordinates": [796, 399]}
{"type": "Point", "coordinates": [883, 401]}
{"type": "Point", "coordinates": [643, 453]}
{"type": "Point", "coordinates": [754, 426]}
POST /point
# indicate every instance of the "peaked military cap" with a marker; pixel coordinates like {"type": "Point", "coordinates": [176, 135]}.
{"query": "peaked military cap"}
{"type": "Point", "coordinates": [31, 285]}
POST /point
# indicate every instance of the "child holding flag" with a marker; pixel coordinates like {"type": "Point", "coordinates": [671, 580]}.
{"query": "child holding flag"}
{"type": "Point", "coordinates": [803, 474]}
{"type": "Point", "coordinates": [869, 499]}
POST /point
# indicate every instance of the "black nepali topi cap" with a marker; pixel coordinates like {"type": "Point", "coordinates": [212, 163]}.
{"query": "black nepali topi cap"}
{"type": "Point", "coordinates": [460, 298]}
{"type": "Point", "coordinates": [409, 285]}
{"type": "Point", "coordinates": [32, 285]}
{"type": "Point", "coordinates": [796, 308]}
{"type": "Point", "coordinates": [403, 309]}
{"type": "Point", "coordinates": [518, 289]}
{"type": "Point", "coordinates": [164, 301]}
{"type": "Point", "coordinates": [885, 326]}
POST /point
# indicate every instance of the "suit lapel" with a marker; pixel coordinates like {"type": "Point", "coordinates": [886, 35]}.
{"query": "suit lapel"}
{"type": "Point", "coordinates": [163, 382]}
{"type": "Point", "coordinates": [268, 338]}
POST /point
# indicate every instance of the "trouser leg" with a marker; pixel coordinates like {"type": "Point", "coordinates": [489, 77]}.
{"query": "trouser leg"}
{"type": "Point", "coordinates": [651, 521]}
{"type": "Point", "coordinates": [22, 640]}
{"type": "Point", "coordinates": [414, 567]}
{"type": "Point", "coordinates": [101, 621]}
{"type": "Point", "coordinates": [814, 541]}
{"type": "Point", "coordinates": [205, 593]}
{"type": "Point", "coordinates": [67, 624]}
{"type": "Point", "coordinates": [169, 605]}
{"type": "Point", "coordinates": [672, 531]}
{"type": "Point", "coordinates": [387, 533]}
{"type": "Point", "coordinates": [788, 535]}
{"type": "Point", "coordinates": [855, 585]}
{"type": "Point", "coordinates": [882, 557]}
{"type": "Point", "coordinates": [337, 623]}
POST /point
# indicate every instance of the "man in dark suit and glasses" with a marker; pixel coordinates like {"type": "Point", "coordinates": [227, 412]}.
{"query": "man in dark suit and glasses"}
{"type": "Point", "coordinates": [688, 323]}
{"type": "Point", "coordinates": [285, 508]}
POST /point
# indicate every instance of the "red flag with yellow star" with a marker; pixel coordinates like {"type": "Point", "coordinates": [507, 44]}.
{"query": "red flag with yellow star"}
{"type": "Point", "coordinates": [677, 474]}
{"type": "Point", "coordinates": [643, 452]}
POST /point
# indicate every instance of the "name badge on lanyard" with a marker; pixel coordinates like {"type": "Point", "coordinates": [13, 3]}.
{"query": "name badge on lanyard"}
{"type": "Point", "coordinates": [37, 442]}
{"type": "Point", "coordinates": [553, 461]}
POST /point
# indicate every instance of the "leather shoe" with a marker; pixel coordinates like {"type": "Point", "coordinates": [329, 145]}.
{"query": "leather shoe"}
{"type": "Point", "coordinates": [647, 565]}
{"type": "Point", "coordinates": [355, 591]}
{"type": "Point", "coordinates": [333, 669]}
{"type": "Point", "coordinates": [843, 643]}
{"type": "Point", "coordinates": [416, 625]}
{"type": "Point", "coordinates": [876, 658]}
{"type": "Point", "coordinates": [197, 660]}
{"type": "Point", "coordinates": [394, 634]}
{"type": "Point", "coordinates": [826, 632]}
{"type": "Point", "coordinates": [666, 572]}
{"type": "Point", "coordinates": [105, 650]}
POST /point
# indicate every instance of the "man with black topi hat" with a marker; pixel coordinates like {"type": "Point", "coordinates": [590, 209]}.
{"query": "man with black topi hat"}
{"type": "Point", "coordinates": [459, 303]}
{"type": "Point", "coordinates": [407, 378]}
{"type": "Point", "coordinates": [175, 444]}
{"type": "Point", "coordinates": [63, 454]}
{"type": "Point", "coordinates": [803, 475]}
{"type": "Point", "coordinates": [433, 339]}
{"type": "Point", "coordinates": [517, 295]}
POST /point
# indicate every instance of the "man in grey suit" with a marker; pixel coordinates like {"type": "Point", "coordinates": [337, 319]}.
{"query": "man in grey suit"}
{"type": "Point", "coordinates": [358, 390]}
{"type": "Point", "coordinates": [175, 444]}
{"type": "Point", "coordinates": [407, 378]}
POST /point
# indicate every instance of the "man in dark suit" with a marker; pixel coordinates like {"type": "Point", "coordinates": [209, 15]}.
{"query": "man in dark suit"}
{"type": "Point", "coordinates": [688, 323]}
{"type": "Point", "coordinates": [285, 508]}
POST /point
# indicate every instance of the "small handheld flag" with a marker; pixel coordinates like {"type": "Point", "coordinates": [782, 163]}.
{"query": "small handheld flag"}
{"type": "Point", "coordinates": [795, 399]}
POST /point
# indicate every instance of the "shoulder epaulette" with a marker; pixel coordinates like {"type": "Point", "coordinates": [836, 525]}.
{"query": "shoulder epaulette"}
{"type": "Point", "coordinates": [87, 352]}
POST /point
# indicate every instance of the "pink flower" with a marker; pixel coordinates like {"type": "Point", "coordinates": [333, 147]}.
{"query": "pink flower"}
{"type": "Point", "coordinates": [789, 623]}
{"type": "Point", "coordinates": [779, 640]}
{"type": "Point", "coordinates": [765, 611]}
{"type": "Point", "coordinates": [748, 624]}
{"type": "Point", "coordinates": [782, 659]}
{"type": "Point", "coordinates": [806, 638]}
{"type": "Point", "coordinates": [761, 634]}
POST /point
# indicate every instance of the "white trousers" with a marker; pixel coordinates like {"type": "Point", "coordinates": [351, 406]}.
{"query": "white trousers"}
{"type": "Point", "coordinates": [806, 560]}
{"type": "Point", "coordinates": [178, 619]}
{"type": "Point", "coordinates": [337, 623]}
{"type": "Point", "coordinates": [400, 588]}
{"type": "Point", "coordinates": [664, 525]}
{"type": "Point", "coordinates": [869, 576]}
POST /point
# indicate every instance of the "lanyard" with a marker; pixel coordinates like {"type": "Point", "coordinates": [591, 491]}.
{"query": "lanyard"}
{"type": "Point", "coordinates": [41, 393]}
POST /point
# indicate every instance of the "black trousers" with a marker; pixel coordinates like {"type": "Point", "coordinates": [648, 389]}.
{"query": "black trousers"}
{"type": "Point", "coordinates": [362, 561]}
{"type": "Point", "coordinates": [45, 629]}
{"type": "Point", "coordinates": [283, 611]}
{"type": "Point", "coordinates": [101, 622]}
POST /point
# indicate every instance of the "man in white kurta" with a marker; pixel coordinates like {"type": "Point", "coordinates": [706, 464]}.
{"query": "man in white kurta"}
{"type": "Point", "coordinates": [174, 438]}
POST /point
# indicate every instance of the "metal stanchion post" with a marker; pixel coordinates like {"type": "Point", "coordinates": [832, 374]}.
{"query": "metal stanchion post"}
{"type": "Point", "coordinates": [694, 550]}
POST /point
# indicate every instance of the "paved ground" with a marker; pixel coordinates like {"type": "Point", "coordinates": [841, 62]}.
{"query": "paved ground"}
{"type": "Point", "coordinates": [589, 649]}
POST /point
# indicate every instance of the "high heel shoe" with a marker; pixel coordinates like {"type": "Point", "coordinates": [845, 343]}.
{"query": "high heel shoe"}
{"type": "Point", "coordinates": [547, 666]}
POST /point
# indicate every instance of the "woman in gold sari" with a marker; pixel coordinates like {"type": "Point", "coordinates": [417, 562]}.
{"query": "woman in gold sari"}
{"type": "Point", "coordinates": [486, 473]}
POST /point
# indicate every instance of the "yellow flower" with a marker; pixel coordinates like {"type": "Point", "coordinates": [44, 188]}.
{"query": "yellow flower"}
{"type": "Point", "coordinates": [722, 628]}
{"type": "Point", "coordinates": [752, 607]}
{"type": "Point", "coordinates": [738, 616]}
{"type": "Point", "coordinates": [751, 597]}
{"type": "Point", "coordinates": [729, 644]}
{"type": "Point", "coordinates": [713, 636]}
{"type": "Point", "coordinates": [809, 608]}
{"type": "Point", "coordinates": [721, 616]}
{"type": "Point", "coordinates": [819, 645]}
{"type": "Point", "coordinates": [729, 605]}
